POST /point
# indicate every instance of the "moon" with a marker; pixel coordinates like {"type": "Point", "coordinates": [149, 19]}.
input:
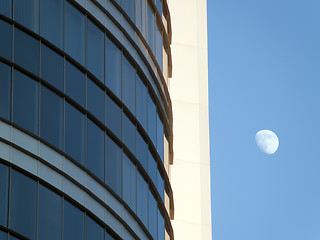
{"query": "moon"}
{"type": "Point", "coordinates": [267, 141]}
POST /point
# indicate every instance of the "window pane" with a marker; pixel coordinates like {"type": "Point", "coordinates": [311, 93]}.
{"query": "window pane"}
{"type": "Point", "coordinates": [95, 47]}
{"type": "Point", "coordinates": [108, 237]}
{"type": "Point", "coordinates": [128, 7]}
{"type": "Point", "coordinates": [160, 226]}
{"type": "Point", "coordinates": [160, 185]}
{"type": "Point", "coordinates": [152, 120]}
{"type": "Point", "coordinates": [142, 107]}
{"type": "Point", "coordinates": [75, 84]}
{"type": "Point", "coordinates": [26, 12]}
{"type": "Point", "coordinates": [6, 8]}
{"type": "Point", "coordinates": [3, 235]}
{"type": "Point", "coordinates": [160, 137]}
{"type": "Point", "coordinates": [93, 231]}
{"type": "Point", "coordinates": [50, 215]}
{"type": "Point", "coordinates": [5, 90]}
{"type": "Point", "coordinates": [95, 149]}
{"type": "Point", "coordinates": [51, 117]}
{"type": "Point", "coordinates": [129, 183]}
{"type": "Point", "coordinates": [152, 169]}
{"type": "Point", "coordinates": [95, 100]}
{"type": "Point", "coordinates": [142, 199]}
{"type": "Point", "coordinates": [113, 68]}
{"type": "Point", "coordinates": [142, 151]}
{"type": "Point", "coordinates": [128, 85]}
{"type": "Point", "coordinates": [151, 29]}
{"type": "Point", "coordinates": [73, 224]}
{"type": "Point", "coordinates": [4, 180]}
{"type": "Point", "coordinates": [74, 133]}
{"type": "Point", "coordinates": [26, 51]}
{"type": "Point", "coordinates": [113, 166]}
{"type": "Point", "coordinates": [23, 203]}
{"type": "Point", "coordinates": [113, 117]}
{"type": "Point", "coordinates": [13, 238]}
{"type": "Point", "coordinates": [75, 33]}
{"type": "Point", "coordinates": [129, 134]}
{"type": "Point", "coordinates": [25, 102]}
{"type": "Point", "coordinates": [159, 6]}
{"type": "Point", "coordinates": [159, 47]}
{"type": "Point", "coordinates": [141, 16]}
{"type": "Point", "coordinates": [52, 67]}
{"type": "Point", "coordinates": [153, 216]}
{"type": "Point", "coordinates": [6, 39]}
{"type": "Point", "coordinates": [52, 21]}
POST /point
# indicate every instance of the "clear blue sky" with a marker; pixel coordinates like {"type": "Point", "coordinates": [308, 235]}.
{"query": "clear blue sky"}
{"type": "Point", "coordinates": [264, 73]}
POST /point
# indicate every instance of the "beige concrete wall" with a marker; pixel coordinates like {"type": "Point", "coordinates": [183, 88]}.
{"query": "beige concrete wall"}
{"type": "Point", "coordinates": [190, 172]}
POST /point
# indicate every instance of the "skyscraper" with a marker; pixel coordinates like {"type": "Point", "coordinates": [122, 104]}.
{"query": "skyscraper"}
{"type": "Point", "coordinates": [86, 138]}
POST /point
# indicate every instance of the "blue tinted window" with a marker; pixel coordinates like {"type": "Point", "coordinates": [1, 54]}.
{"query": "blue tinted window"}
{"type": "Point", "coordinates": [3, 235]}
{"type": "Point", "coordinates": [128, 7]}
{"type": "Point", "coordinates": [108, 237]}
{"type": "Point", "coordinates": [6, 39]}
{"type": "Point", "coordinates": [142, 151]}
{"type": "Point", "coordinates": [25, 102]}
{"type": "Point", "coordinates": [129, 134]}
{"type": "Point", "coordinates": [49, 215]}
{"type": "Point", "coordinates": [95, 100]}
{"type": "Point", "coordinates": [51, 117]}
{"type": "Point", "coordinates": [5, 90]}
{"type": "Point", "coordinates": [95, 149]}
{"type": "Point", "coordinates": [75, 84]}
{"type": "Point", "coordinates": [151, 29]}
{"type": "Point", "coordinates": [75, 33]}
{"type": "Point", "coordinates": [113, 117]}
{"type": "Point", "coordinates": [52, 21]}
{"type": "Point", "coordinates": [23, 204]}
{"type": "Point", "coordinates": [152, 168]}
{"type": "Point", "coordinates": [13, 238]}
{"type": "Point", "coordinates": [129, 190]}
{"type": "Point", "coordinates": [6, 7]}
{"type": "Point", "coordinates": [73, 222]}
{"type": "Point", "coordinates": [26, 12]}
{"type": "Point", "coordinates": [4, 180]}
{"type": "Point", "coordinates": [161, 228]}
{"type": "Point", "coordinates": [142, 199]}
{"type": "Point", "coordinates": [93, 230]}
{"type": "Point", "coordinates": [52, 67]}
{"type": "Point", "coordinates": [26, 51]}
{"type": "Point", "coordinates": [113, 68]}
{"type": "Point", "coordinates": [160, 137]}
{"type": "Point", "coordinates": [159, 6]}
{"type": "Point", "coordinates": [160, 185]}
{"type": "Point", "coordinates": [142, 106]}
{"type": "Point", "coordinates": [95, 50]}
{"type": "Point", "coordinates": [159, 47]}
{"type": "Point", "coordinates": [153, 216]}
{"type": "Point", "coordinates": [74, 133]}
{"type": "Point", "coordinates": [113, 166]}
{"type": "Point", "coordinates": [141, 16]}
{"type": "Point", "coordinates": [152, 120]}
{"type": "Point", "coordinates": [128, 85]}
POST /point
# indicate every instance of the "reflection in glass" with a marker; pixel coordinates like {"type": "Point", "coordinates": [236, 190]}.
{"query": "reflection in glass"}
{"type": "Point", "coordinates": [151, 29]}
{"type": "Point", "coordinates": [161, 228]}
{"type": "Point", "coordinates": [153, 216]}
{"type": "Point", "coordinates": [113, 117]}
{"type": "Point", "coordinates": [160, 185]}
{"type": "Point", "coordinates": [142, 107]}
{"type": "Point", "coordinates": [27, 13]}
{"type": "Point", "coordinates": [129, 190]}
{"type": "Point", "coordinates": [113, 68]}
{"type": "Point", "coordinates": [142, 151]}
{"type": "Point", "coordinates": [4, 181]}
{"type": "Point", "coordinates": [128, 85]}
{"type": "Point", "coordinates": [142, 199]}
{"type": "Point", "coordinates": [93, 230]}
{"type": "Point", "coordinates": [5, 91]}
{"type": "Point", "coordinates": [6, 39]}
{"type": "Point", "coordinates": [95, 100]}
{"type": "Point", "coordinates": [152, 120]}
{"type": "Point", "coordinates": [73, 222]}
{"type": "Point", "coordinates": [129, 134]}
{"type": "Point", "coordinates": [141, 16]}
{"type": "Point", "coordinates": [6, 8]}
{"type": "Point", "coordinates": [152, 169]}
{"type": "Point", "coordinates": [128, 7]}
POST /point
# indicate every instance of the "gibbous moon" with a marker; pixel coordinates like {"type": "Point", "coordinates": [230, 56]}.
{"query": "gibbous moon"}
{"type": "Point", "coordinates": [267, 141]}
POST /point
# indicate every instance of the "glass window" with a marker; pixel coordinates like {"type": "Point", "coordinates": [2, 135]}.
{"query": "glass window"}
{"type": "Point", "coordinates": [160, 185]}
{"type": "Point", "coordinates": [4, 181]}
{"type": "Point", "coordinates": [74, 133]}
{"type": "Point", "coordinates": [152, 168]}
{"type": "Point", "coordinates": [51, 117]}
{"type": "Point", "coordinates": [129, 190]}
{"type": "Point", "coordinates": [128, 85]}
{"type": "Point", "coordinates": [73, 224]}
{"type": "Point", "coordinates": [152, 120]}
{"type": "Point", "coordinates": [95, 100]}
{"type": "Point", "coordinates": [6, 8]}
{"type": "Point", "coordinates": [113, 68]}
{"type": "Point", "coordinates": [113, 117]}
{"type": "Point", "coordinates": [128, 7]}
{"type": "Point", "coordinates": [52, 21]}
{"type": "Point", "coordinates": [23, 204]}
{"type": "Point", "coordinates": [159, 47]}
{"type": "Point", "coordinates": [113, 166]}
{"type": "Point", "coordinates": [95, 149]}
{"type": "Point", "coordinates": [160, 137]}
{"type": "Point", "coordinates": [95, 53]}
{"type": "Point", "coordinates": [142, 107]}
{"type": "Point", "coordinates": [25, 102]}
{"type": "Point", "coordinates": [13, 238]}
{"type": "Point", "coordinates": [153, 215]}
{"type": "Point", "coordinates": [52, 67]}
{"type": "Point", "coordinates": [129, 134]}
{"type": "Point", "coordinates": [141, 16]}
{"type": "Point", "coordinates": [108, 237]}
{"type": "Point", "coordinates": [5, 90]}
{"type": "Point", "coordinates": [142, 199]}
{"type": "Point", "coordinates": [75, 33]}
{"type": "Point", "coordinates": [151, 29]}
{"type": "Point", "coordinates": [161, 229]}
{"type": "Point", "coordinates": [27, 13]}
{"type": "Point", "coordinates": [75, 84]}
{"type": "Point", "coordinates": [50, 215]}
{"type": "Point", "coordinates": [159, 6]}
{"type": "Point", "coordinates": [3, 235]}
{"type": "Point", "coordinates": [142, 151]}
{"type": "Point", "coordinates": [6, 39]}
{"type": "Point", "coordinates": [93, 230]}
{"type": "Point", "coordinates": [26, 51]}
